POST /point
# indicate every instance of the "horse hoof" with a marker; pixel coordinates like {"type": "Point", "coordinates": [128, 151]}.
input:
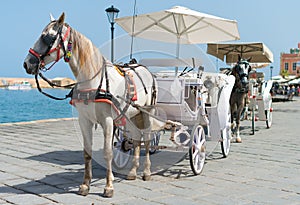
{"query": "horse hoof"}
{"type": "Point", "coordinates": [84, 189]}
{"type": "Point", "coordinates": [238, 140]}
{"type": "Point", "coordinates": [131, 177]}
{"type": "Point", "coordinates": [146, 177]}
{"type": "Point", "coordinates": [108, 192]}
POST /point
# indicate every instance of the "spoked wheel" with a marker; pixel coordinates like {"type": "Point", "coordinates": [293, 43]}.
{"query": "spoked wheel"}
{"type": "Point", "coordinates": [121, 153]}
{"type": "Point", "coordinates": [154, 142]}
{"type": "Point", "coordinates": [268, 114]}
{"type": "Point", "coordinates": [226, 137]}
{"type": "Point", "coordinates": [197, 149]}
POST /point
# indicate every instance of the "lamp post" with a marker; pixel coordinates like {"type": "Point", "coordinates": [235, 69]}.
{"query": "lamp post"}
{"type": "Point", "coordinates": [112, 13]}
{"type": "Point", "coordinates": [271, 69]}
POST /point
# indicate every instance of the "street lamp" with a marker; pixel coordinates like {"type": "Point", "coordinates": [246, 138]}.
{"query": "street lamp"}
{"type": "Point", "coordinates": [112, 13]}
{"type": "Point", "coordinates": [271, 69]}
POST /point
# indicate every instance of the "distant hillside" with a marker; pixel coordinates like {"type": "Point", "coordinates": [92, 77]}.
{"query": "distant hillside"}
{"type": "Point", "coordinates": [43, 84]}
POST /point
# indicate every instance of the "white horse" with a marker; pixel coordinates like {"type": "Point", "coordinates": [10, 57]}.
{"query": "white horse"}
{"type": "Point", "coordinates": [90, 69]}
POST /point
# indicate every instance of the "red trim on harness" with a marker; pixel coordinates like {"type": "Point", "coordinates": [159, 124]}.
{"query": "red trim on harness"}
{"type": "Point", "coordinates": [132, 83]}
{"type": "Point", "coordinates": [119, 122]}
{"type": "Point", "coordinates": [34, 53]}
{"type": "Point", "coordinates": [58, 47]}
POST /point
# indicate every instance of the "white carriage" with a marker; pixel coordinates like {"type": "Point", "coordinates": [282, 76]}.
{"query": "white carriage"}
{"type": "Point", "coordinates": [260, 99]}
{"type": "Point", "coordinates": [195, 106]}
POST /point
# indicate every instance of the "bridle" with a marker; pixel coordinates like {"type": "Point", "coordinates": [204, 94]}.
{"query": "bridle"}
{"type": "Point", "coordinates": [49, 40]}
{"type": "Point", "coordinates": [240, 75]}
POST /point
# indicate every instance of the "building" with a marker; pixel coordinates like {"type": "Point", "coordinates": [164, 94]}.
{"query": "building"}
{"type": "Point", "coordinates": [290, 62]}
{"type": "Point", "coordinates": [61, 81]}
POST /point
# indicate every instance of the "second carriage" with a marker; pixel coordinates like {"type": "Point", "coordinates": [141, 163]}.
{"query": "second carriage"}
{"type": "Point", "coordinates": [260, 99]}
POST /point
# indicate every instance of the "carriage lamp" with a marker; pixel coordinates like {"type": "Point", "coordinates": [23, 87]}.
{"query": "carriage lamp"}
{"type": "Point", "coordinates": [112, 13]}
{"type": "Point", "coordinates": [208, 83]}
{"type": "Point", "coordinates": [271, 69]}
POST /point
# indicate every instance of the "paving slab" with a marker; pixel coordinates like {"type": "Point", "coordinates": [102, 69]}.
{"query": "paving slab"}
{"type": "Point", "coordinates": [42, 163]}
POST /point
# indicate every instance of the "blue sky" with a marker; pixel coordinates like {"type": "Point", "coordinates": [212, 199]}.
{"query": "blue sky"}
{"type": "Point", "coordinates": [274, 23]}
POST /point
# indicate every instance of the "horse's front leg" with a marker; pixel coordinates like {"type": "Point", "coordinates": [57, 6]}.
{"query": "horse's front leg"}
{"type": "Point", "coordinates": [108, 156]}
{"type": "Point", "coordinates": [238, 118]}
{"type": "Point", "coordinates": [232, 109]}
{"type": "Point", "coordinates": [86, 127]}
{"type": "Point", "coordinates": [147, 163]}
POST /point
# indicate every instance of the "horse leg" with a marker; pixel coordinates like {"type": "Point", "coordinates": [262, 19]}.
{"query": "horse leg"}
{"type": "Point", "coordinates": [147, 163]}
{"type": "Point", "coordinates": [87, 133]}
{"type": "Point", "coordinates": [148, 122]}
{"type": "Point", "coordinates": [108, 155]}
{"type": "Point", "coordinates": [232, 109]}
{"type": "Point", "coordinates": [238, 116]}
{"type": "Point", "coordinates": [135, 162]}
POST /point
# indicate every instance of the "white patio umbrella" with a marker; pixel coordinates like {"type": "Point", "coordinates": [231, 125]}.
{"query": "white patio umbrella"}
{"type": "Point", "coordinates": [180, 25]}
{"type": "Point", "coordinates": [258, 52]}
{"type": "Point", "coordinates": [279, 79]}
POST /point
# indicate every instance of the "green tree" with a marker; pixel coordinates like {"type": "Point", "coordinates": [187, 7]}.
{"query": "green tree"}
{"type": "Point", "coordinates": [284, 73]}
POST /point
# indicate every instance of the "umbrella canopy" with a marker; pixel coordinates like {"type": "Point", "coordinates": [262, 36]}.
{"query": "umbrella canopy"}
{"type": "Point", "coordinates": [295, 81]}
{"type": "Point", "coordinates": [180, 25]}
{"type": "Point", "coordinates": [258, 52]}
{"type": "Point", "coordinates": [279, 79]}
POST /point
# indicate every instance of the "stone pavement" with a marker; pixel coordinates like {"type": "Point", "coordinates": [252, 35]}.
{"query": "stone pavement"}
{"type": "Point", "coordinates": [41, 163]}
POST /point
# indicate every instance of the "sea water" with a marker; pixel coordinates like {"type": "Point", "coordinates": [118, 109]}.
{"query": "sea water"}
{"type": "Point", "coordinates": [30, 105]}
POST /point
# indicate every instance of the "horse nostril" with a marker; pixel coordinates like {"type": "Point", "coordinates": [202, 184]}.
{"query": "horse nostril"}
{"type": "Point", "coordinates": [25, 65]}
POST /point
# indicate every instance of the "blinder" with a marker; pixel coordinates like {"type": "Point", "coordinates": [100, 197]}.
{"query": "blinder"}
{"type": "Point", "coordinates": [49, 39]}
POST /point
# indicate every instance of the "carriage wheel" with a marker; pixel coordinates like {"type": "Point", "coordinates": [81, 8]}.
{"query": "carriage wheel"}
{"type": "Point", "coordinates": [197, 149]}
{"type": "Point", "coordinates": [226, 137]}
{"type": "Point", "coordinates": [154, 142]}
{"type": "Point", "coordinates": [121, 157]}
{"type": "Point", "coordinates": [269, 116]}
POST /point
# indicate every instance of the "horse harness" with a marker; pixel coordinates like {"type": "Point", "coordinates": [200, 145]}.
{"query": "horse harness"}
{"type": "Point", "coordinates": [91, 95]}
{"type": "Point", "coordinates": [105, 96]}
{"type": "Point", "coordinates": [100, 95]}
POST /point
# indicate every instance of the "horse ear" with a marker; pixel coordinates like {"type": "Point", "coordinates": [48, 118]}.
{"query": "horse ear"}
{"type": "Point", "coordinates": [249, 59]}
{"type": "Point", "coordinates": [51, 18]}
{"type": "Point", "coordinates": [61, 19]}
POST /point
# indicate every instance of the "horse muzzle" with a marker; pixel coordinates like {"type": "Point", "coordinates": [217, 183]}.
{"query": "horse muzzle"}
{"type": "Point", "coordinates": [244, 80]}
{"type": "Point", "coordinates": [31, 64]}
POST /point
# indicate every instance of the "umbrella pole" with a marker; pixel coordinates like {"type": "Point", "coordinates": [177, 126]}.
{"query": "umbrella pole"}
{"type": "Point", "coordinates": [177, 53]}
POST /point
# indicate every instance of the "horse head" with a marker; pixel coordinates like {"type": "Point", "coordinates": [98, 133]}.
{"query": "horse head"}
{"type": "Point", "coordinates": [241, 71]}
{"type": "Point", "coordinates": [51, 46]}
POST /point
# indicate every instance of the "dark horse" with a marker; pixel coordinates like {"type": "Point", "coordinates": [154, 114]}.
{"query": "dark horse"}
{"type": "Point", "coordinates": [239, 92]}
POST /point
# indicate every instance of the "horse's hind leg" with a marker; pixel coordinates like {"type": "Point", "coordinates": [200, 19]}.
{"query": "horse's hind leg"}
{"type": "Point", "coordinates": [135, 162]}
{"type": "Point", "coordinates": [148, 122]}
{"type": "Point", "coordinates": [87, 133]}
{"type": "Point", "coordinates": [147, 163]}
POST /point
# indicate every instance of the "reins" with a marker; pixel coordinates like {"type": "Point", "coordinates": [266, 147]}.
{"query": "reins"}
{"type": "Point", "coordinates": [73, 85]}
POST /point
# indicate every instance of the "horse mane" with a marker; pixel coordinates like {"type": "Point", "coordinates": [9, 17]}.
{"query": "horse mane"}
{"type": "Point", "coordinates": [89, 59]}
{"type": "Point", "coordinates": [226, 71]}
